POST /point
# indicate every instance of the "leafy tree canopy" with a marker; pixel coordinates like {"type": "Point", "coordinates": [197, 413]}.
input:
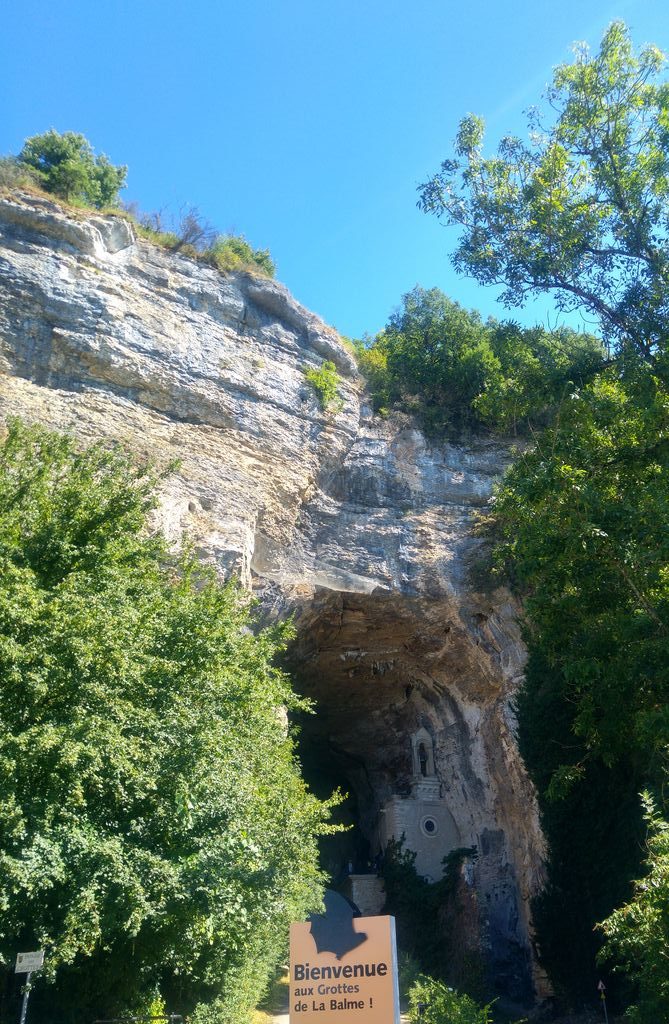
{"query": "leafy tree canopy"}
{"type": "Point", "coordinates": [637, 934]}
{"type": "Point", "coordinates": [582, 209]}
{"type": "Point", "coordinates": [155, 835]}
{"type": "Point", "coordinates": [66, 165]}
{"type": "Point", "coordinates": [441, 361]}
{"type": "Point", "coordinates": [583, 522]}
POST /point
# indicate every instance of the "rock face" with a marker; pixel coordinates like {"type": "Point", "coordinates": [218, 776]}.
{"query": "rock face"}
{"type": "Point", "coordinates": [359, 528]}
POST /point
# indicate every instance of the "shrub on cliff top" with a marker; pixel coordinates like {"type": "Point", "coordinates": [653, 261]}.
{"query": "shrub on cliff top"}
{"type": "Point", "coordinates": [14, 174]}
{"type": "Point", "coordinates": [233, 252]}
{"type": "Point", "coordinates": [456, 372]}
{"type": "Point", "coordinates": [66, 165]}
{"type": "Point", "coordinates": [192, 235]}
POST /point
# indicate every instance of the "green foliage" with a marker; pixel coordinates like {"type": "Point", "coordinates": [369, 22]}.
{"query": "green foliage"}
{"type": "Point", "coordinates": [583, 523]}
{"type": "Point", "coordinates": [424, 913]}
{"type": "Point", "coordinates": [156, 837]}
{"type": "Point", "coordinates": [538, 370]}
{"type": "Point", "coordinates": [437, 360]}
{"type": "Point", "coordinates": [325, 381]}
{"type": "Point", "coordinates": [233, 252]}
{"type": "Point", "coordinates": [66, 165]}
{"type": "Point", "coordinates": [455, 372]}
{"type": "Point", "coordinates": [190, 235]}
{"type": "Point", "coordinates": [637, 934]}
{"type": "Point", "coordinates": [432, 1002]}
{"type": "Point", "coordinates": [583, 208]}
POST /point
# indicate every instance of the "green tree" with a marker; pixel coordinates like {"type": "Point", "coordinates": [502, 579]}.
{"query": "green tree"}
{"type": "Point", "coordinates": [584, 525]}
{"type": "Point", "coordinates": [583, 208]}
{"type": "Point", "coordinates": [442, 362]}
{"type": "Point", "coordinates": [67, 166]}
{"type": "Point", "coordinates": [538, 369]}
{"type": "Point", "coordinates": [637, 934]}
{"type": "Point", "coordinates": [585, 522]}
{"type": "Point", "coordinates": [439, 352]}
{"type": "Point", "coordinates": [155, 835]}
{"type": "Point", "coordinates": [432, 358]}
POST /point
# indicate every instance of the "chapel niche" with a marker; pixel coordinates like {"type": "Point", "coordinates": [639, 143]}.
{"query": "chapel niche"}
{"type": "Point", "coordinates": [421, 819]}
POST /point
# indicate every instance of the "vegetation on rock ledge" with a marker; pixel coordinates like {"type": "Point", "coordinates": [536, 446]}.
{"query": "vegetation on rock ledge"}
{"type": "Point", "coordinates": [456, 373]}
{"type": "Point", "coordinates": [64, 165]}
{"type": "Point", "coordinates": [325, 381]}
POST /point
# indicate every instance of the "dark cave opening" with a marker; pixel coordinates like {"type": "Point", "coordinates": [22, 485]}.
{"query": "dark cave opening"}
{"type": "Point", "coordinates": [407, 723]}
{"type": "Point", "coordinates": [324, 769]}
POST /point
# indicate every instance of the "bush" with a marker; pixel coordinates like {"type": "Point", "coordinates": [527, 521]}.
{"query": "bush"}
{"type": "Point", "coordinates": [155, 835]}
{"type": "Point", "coordinates": [637, 934]}
{"type": "Point", "coordinates": [66, 165]}
{"type": "Point", "coordinates": [326, 382]}
{"type": "Point", "coordinates": [191, 235]}
{"type": "Point", "coordinates": [233, 252]}
{"type": "Point", "coordinates": [432, 1002]}
{"type": "Point", "coordinates": [443, 363]}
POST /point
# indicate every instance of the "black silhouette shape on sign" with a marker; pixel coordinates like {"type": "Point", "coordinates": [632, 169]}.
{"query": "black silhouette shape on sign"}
{"type": "Point", "coordinates": [333, 931]}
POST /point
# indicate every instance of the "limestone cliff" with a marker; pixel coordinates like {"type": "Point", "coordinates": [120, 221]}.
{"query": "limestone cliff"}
{"type": "Point", "coordinates": [358, 527]}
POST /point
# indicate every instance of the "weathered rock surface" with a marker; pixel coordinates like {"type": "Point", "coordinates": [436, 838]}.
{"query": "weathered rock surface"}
{"type": "Point", "coordinates": [358, 527]}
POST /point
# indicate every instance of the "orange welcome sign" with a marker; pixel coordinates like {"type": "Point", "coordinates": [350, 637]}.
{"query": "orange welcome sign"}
{"type": "Point", "coordinates": [339, 978]}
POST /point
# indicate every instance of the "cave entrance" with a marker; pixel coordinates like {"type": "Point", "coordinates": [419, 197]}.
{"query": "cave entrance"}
{"type": "Point", "coordinates": [362, 660]}
{"type": "Point", "coordinates": [410, 721]}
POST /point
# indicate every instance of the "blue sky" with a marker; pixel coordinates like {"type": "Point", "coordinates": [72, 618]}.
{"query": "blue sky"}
{"type": "Point", "coordinates": [302, 124]}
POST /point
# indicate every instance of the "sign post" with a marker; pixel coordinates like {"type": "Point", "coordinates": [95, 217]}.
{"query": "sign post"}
{"type": "Point", "coordinates": [343, 969]}
{"type": "Point", "coordinates": [601, 988]}
{"type": "Point", "coordinates": [26, 963]}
